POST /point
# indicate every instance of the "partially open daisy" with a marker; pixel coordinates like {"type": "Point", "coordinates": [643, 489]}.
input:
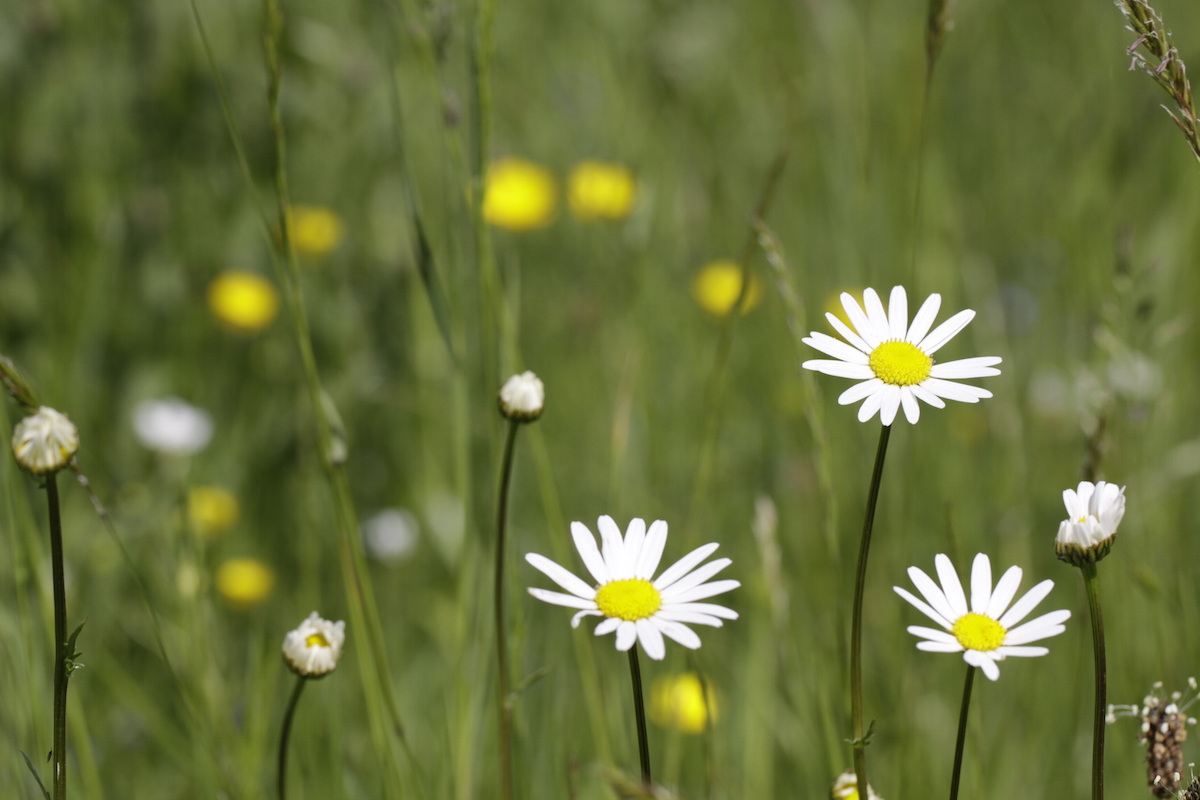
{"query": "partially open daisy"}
{"type": "Point", "coordinates": [636, 607]}
{"type": "Point", "coordinates": [983, 632]}
{"type": "Point", "coordinates": [894, 360]}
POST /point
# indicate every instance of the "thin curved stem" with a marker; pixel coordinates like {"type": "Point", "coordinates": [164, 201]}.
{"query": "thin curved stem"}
{"type": "Point", "coordinates": [639, 709]}
{"type": "Point", "coordinates": [60, 639]}
{"type": "Point", "coordinates": [962, 732]}
{"type": "Point", "coordinates": [1091, 580]}
{"type": "Point", "coordinates": [285, 734]}
{"type": "Point", "coordinates": [856, 709]}
{"type": "Point", "coordinates": [498, 607]}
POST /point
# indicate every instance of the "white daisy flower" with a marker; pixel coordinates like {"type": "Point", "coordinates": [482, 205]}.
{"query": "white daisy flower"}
{"type": "Point", "coordinates": [172, 426]}
{"type": "Point", "coordinates": [522, 397]}
{"type": "Point", "coordinates": [894, 360]}
{"type": "Point", "coordinates": [635, 606]}
{"type": "Point", "coordinates": [45, 441]}
{"type": "Point", "coordinates": [1093, 513]}
{"type": "Point", "coordinates": [314, 649]}
{"type": "Point", "coordinates": [984, 632]}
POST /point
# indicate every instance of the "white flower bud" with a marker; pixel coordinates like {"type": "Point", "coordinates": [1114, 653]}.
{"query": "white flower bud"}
{"type": "Point", "coordinates": [44, 442]}
{"type": "Point", "coordinates": [314, 649]}
{"type": "Point", "coordinates": [1093, 513]}
{"type": "Point", "coordinates": [522, 397]}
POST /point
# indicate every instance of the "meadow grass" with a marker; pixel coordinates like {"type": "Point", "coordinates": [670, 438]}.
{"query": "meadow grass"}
{"type": "Point", "coordinates": [1054, 199]}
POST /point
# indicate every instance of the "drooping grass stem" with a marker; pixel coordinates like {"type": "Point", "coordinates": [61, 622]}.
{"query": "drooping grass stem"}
{"type": "Point", "coordinates": [860, 579]}
{"type": "Point", "coordinates": [502, 694]}
{"type": "Point", "coordinates": [60, 639]}
{"type": "Point", "coordinates": [1091, 581]}
{"type": "Point", "coordinates": [962, 732]}
{"type": "Point", "coordinates": [639, 710]}
{"type": "Point", "coordinates": [286, 732]}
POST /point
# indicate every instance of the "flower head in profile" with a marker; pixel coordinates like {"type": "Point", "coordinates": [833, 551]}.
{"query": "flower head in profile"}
{"type": "Point", "coordinates": [634, 605]}
{"type": "Point", "coordinates": [314, 649]}
{"type": "Point", "coordinates": [597, 190]}
{"type": "Point", "coordinates": [45, 441]}
{"type": "Point", "coordinates": [983, 632]}
{"type": "Point", "coordinates": [683, 702]}
{"type": "Point", "coordinates": [242, 301]}
{"type": "Point", "coordinates": [519, 195]}
{"type": "Point", "coordinates": [172, 426]}
{"type": "Point", "coordinates": [846, 788]}
{"type": "Point", "coordinates": [522, 397]}
{"type": "Point", "coordinates": [1093, 513]}
{"type": "Point", "coordinates": [315, 230]}
{"type": "Point", "coordinates": [894, 360]}
{"type": "Point", "coordinates": [718, 285]}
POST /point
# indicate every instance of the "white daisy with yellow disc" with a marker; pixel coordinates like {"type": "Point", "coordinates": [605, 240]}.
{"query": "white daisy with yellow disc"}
{"type": "Point", "coordinates": [635, 605]}
{"type": "Point", "coordinates": [894, 360]}
{"type": "Point", "coordinates": [984, 632]}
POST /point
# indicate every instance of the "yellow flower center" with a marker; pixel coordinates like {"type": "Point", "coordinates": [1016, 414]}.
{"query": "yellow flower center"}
{"type": "Point", "coordinates": [316, 640]}
{"type": "Point", "coordinates": [900, 363]}
{"type": "Point", "coordinates": [977, 632]}
{"type": "Point", "coordinates": [631, 599]}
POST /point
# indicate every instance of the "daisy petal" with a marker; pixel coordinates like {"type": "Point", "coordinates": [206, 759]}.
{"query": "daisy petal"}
{"type": "Point", "coordinates": [613, 549]}
{"type": "Point", "coordinates": [840, 369]}
{"type": "Point", "coordinates": [1026, 604]}
{"type": "Point", "coordinates": [951, 586]}
{"type": "Point", "coordinates": [680, 633]}
{"type": "Point", "coordinates": [1005, 591]}
{"type": "Point", "coordinates": [961, 392]}
{"type": "Point", "coordinates": [945, 332]}
{"type": "Point", "coordinates": [847, 333]}
{"type": "Point", "coordinates": [890, 403]}
{"type": "Point", "coordinates": [858, 391]}
{"type": "Point", "coordinates": [651, 638]}
{"type": "Point", "coordinates": [695, 578]}
{"type": "Point", "coordinates": [1024, 634]}
{"type": "Point", "coordinates": [897, 313]}
{"type": "Point", "coordinates": [933, 635]}
{"type": "Point", "coordinates": [933, 595]}
{"type": "Point", "coordinates": [575, 620]}
{"type": "Point", "coordinates": [608, 625]}
{"type": "Point", "coordinates": [1026, 652]}
{"type": "Point", "coordinates": [703, 608]}
{"type": "Point", "coordinates": [626, 635]}
{"type": "Point", "coordinates": [652, 550]}
{"type": "Point", "coordinates": [924, 608]}
{"type": "Point", "coordinates": [635, 536]}
{"type": "Point", "coordinates": [860, 322]}
{"type": "Point", "coordinates": [871, 405]}
{"type": "Point", "coordinates": [875, 312]}
{"type": "Point", "coordinates": [981, 583]}
{"type": "Point", "coordinates": [707, 590]}
{"type": "Point", "coordinates": [832, 347]}
{"type": "Point", "coordinates": [912, 410]}
{"type": "Point", "coordinates": [684, 565]}
{"type": "Point", "coordinates": [939, 647]}
{"type": "Point", "coordinates": [924, 319]}
{"type": "Point", "coordinates": [560, 599]}
{"type": "Point", "coordinates": [980, 367]}
{"type": "Point", "coordinates": [561, 575]}
{"type": "Point", "coordinates": [585, 543]}
{"type": "Point", "coordinates": [927, 396]}
{"type": "Point", "coordinates": [1054, 619]}
{"type": "Point", "coordinates": [984, 661]}
{"type": "Point", "coordinates": [689, 616]}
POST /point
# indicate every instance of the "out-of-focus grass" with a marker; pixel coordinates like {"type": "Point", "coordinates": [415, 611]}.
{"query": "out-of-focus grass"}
{"type": "Point", "coordinates": [121, 199]}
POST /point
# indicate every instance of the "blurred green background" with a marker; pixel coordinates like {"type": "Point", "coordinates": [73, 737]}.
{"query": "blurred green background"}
{"type": "Point", "coordinates": [1038, 182]}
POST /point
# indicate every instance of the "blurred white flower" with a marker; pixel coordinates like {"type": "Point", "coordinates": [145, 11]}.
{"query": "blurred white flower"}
{"type": "Point", "coordinates": [314, 649]}
{"type": "Point", "coordinates": [391, 535]}
{"type": "Point", "coordinates": [44, 442]}
{"type": "Point", "coordinates": [172, 426]}
{"type": "Point", "coordinates": [1093, 513]}
{"type": "Point", "coordinates": [522, 397]}
{"type": "Point", "coordinates": [846, 788]}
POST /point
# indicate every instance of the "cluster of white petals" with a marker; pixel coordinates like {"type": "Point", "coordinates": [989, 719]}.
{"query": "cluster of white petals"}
{"type": "Point", "coordinates": [522, 397]}
{"type": "Point", "coordinates": [314, 648]}
{"type": "Point", "coordinates": [172, 426]}
{"type": "Point", "coordinates": [1093, 513]}
{"type": "Point", "coordinates": [45, 441]}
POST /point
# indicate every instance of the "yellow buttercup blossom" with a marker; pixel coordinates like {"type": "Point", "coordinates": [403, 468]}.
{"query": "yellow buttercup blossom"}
{"type": "Point", "coordinates": [682, 702]}
{"type": "Point", "coordinates": [717, 286]}
{"type": "Point", "coordinates": [519, 195]}
{"type": "Point", "coordinates": [597, 190]}
{"type": "Point", "coordinates": [243, 301]}
{"type": "Point", "coordinates": [315, 230]}
{"type": "Point", "coordinates": [212, 510]}
{"type": "Point", "coordinates": [244, 582]}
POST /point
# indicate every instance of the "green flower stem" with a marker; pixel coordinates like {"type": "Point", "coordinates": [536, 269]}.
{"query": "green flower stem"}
{"type": "Point", "coordinates": [505, 702]}
{"type": "Point", "coordinates": [286, 732]}
{"type": "Point", "coordinates": [639, 708]}
{"type": "Point", "coordinates": [962, 732]}
{"type": "Point", "coordinates": [1092, 581]}
{"type": "Point", "coordinates": [60, 640]}
{"type": "Point", "coordinates": [856, 710]}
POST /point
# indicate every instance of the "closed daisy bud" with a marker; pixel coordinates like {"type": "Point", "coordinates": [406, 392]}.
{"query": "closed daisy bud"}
{"type": "Point", "coordinates": [44, 442]}
{"type": "Point", "coordinates": [522, 397]}
{"type": "Point", "coordinates": [314, 649]}
{"type": "Point", "coordinates": [1093, 513]}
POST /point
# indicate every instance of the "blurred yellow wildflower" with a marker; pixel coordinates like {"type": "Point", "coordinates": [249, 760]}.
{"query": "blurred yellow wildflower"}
{"type": "Point", "coordinates": [315, 230]}
{"type": "Point", "coordinates": [679, 702]}
{"type": "Point", "coordinates": [717, 286]}
{"type": "Point", "coordinates": [244, 582]}
{"type": "Point", "coordinates": [519, 195]}
{"type": "Point", "coordinates": [833, 303]}
{"type": "Point", "coordinates": [243, 301]}
{"type": "Point", "coordinates": [600, 191]}
{"type": "Point", "coordinates": [212, 510]}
